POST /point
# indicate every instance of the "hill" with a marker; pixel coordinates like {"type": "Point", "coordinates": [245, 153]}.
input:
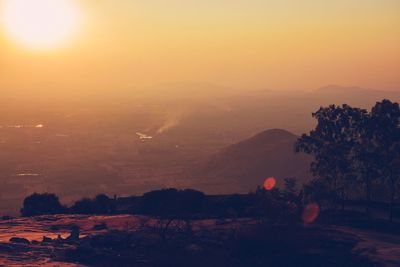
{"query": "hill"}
{"type": "Point", "coordinates": [243, 166]}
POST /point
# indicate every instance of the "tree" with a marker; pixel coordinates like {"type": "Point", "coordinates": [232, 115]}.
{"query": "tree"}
{"type": "Point", "coordinates": [40, 204]}
{"type": "Point", "coordinates": [276, 206]}
{"type": "Point", "coordinates": [290, 185]}
{"type": "Point", "coordinates": [83, 206]}
{"type": "Point", "coordinates": [331, 143]}
{"type": "Point", "coordinates": [385, 121]}
{"type": "Point", "coordinates": [174, 208]}
{"type": "Point", "coordinates": [289, 189]}
{"type": "Point", "coordinates": [101, 204]}
{"type": "Point", "coordinates": [172, 202]}
{"type": "Point", "coordinates": [351, 145]}
{"type": "Point", "coordinates": [104, 205]}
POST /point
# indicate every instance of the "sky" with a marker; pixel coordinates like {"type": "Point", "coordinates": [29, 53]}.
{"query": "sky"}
{"type": "Point", "coordinates": [282, 45]}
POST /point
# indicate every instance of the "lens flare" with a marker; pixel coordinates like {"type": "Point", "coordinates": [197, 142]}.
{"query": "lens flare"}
{"type": "Point", "coordinates": [269, 183]}
{"type": "Point", "coordinates": [310, 213]}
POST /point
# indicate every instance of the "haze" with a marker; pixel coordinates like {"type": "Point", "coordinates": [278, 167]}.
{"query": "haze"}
{"type": "Point", "coordinates": [133, 46]}
{"type": "Point", "coordinates": [200, 133]}
{"type": "Point", "coordinates": [144, 96]}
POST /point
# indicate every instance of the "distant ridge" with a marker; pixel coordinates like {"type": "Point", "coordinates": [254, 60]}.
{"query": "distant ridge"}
{"type": "Point", "coordinates": [349, 91]}
{"type": "Point", "coordinates": [333, 87]}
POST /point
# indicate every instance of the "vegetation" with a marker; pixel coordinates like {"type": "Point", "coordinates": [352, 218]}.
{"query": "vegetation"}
{"type": "Point", "coordinates": [39, 204]}
{"type": "Point", "coordinates": [352, 148]}
{"type": "Point", "coordinates": [101, 204]}
{"type": "Point", "coordinates": [356, 155]}
{"type": "Point", "coordinates": [172, 202]}
{"type": "Point", "coordinates": [251, 245]}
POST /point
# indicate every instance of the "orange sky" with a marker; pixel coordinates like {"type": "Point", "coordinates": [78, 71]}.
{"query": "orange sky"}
{"type": "Point", "coordinates": [287, 44]}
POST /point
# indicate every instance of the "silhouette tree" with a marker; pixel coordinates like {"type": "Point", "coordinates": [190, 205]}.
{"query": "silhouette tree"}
{"type": "Point", "coordinates": [172, 202]}
{"type": "Point", "coordinates": [290, 185]}
{"type": "Point", "coordinates": [318, 190]}
{"type": "Point", "coordinates": [104, 205]}
{"type": "Point", "coordinates": [332, 143]}
{"type": "Point", "coordinates": [289, 192]}
{"type": "Point", "coordinates": [40, 204]}
{"type": "Point", "coordinates": [350, 144]}
{"type": "Point", "coordinates": [83, 206]}
{"type": "Point", "coordinates": [101, 204]}
{"type": "Point", "coordinates": [385, 119]}
{"type": "Point", "coordinates": [376, 149]}
{"type": "Point", "coordinates": [174, 208]}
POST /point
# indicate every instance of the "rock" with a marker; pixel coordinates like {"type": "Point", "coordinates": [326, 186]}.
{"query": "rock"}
{"type": "Point", "coordinates": [47, 239]}
{"type": "Point", "coordinates": [20, 240]}
{"type": "Point", "coordinates": [100, 226]}
{"type": "Point", "coordinates": [59, 238]}
{"type": "Point", "coordinates": [55, 228]}
{"type": "Point", "coordinates": [74, 236]}
{"type": "Point", "coordinates": [6, 248]}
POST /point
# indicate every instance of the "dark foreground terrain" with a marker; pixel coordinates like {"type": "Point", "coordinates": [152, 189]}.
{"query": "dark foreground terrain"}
{"type": "Point", "coordinates": [128, 240]}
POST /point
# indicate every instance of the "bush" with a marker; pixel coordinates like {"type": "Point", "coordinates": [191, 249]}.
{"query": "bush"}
{"type": "Point", "coordinates": [318, 191]}
{"type": "Point", "coordinates": [101, 204]}
{"type": "Point", "coordinates": [40, 204]}
{"type": "Point", "coordinates": [83, 206]}
{"type": "Point", "coordinates": [172, 202]}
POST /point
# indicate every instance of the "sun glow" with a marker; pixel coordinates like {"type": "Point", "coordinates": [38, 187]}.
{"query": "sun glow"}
{"type": "Point", "coordinates": [41, 24]}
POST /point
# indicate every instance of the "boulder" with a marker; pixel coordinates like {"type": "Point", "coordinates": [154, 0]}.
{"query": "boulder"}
{"type": "Point", "coordinates": [74, 235]}
{"type": "Point", "coordinates": [20, 240]}
{"type": "Point", "coordinates": [47, 239]}
{"type": "Point", "coordinates": [100, 226]}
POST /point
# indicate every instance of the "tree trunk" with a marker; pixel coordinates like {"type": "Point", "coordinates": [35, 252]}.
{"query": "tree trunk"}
{"type": "Point", "coordinates": [336, 200]}
{"type": "Point", "coordinates": [368, 198]}
{"type": "Point", "coordinates": [392, 196]}
{"type": "Point", "coordinates": [391, 208]}
{"type": "Point", "coordinates": [343, 201]}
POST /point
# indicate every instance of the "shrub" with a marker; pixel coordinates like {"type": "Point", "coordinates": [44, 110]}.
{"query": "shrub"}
{"type": "Point", "coordinates": [172, 202]}
{"type": "Point", "coordinates": [40, 204]}
{"type": "Point", "coordinates": [101, 204]}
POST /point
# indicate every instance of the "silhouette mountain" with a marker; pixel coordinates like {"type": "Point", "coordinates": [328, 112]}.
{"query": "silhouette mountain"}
{"type": "Point", "coordinates": [243, 166]}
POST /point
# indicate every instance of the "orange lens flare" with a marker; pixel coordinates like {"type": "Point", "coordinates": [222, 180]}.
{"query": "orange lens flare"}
{"type": "Point", "coordinates": [310, 213]}
{"type": "Point", "coordinates": [269, 183]}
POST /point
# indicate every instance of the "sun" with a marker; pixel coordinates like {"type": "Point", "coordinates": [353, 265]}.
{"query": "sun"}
{"type": "Point", "coordinates": [41, 24]}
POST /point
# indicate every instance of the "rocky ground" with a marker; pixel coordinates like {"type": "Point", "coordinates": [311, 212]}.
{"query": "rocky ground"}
{"type": "Point", "coordinates": [126, 240]}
